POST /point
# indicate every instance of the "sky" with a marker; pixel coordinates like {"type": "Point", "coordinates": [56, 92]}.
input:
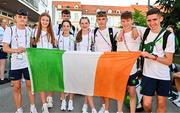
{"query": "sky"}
{"type": "Point", "coordinates": [114, 2]}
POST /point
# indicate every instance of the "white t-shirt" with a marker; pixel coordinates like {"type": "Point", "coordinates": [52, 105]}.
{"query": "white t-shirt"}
{"type": "Point", "coordinates": [43, 41]}
{"type": "Point", "coordinates": [129, 44]}
{"type": "Point", "coordinates": [19, 38]}
{"type": "Point", "coordinates": [102, 40]}
{"type": "Point", "coordinates": [1, 34]}
{"type": "Point", "coordinates": [66, 43]}
{"type": "Point", "coordinates": [154, 69]}
{"type": "Point", "coordinates": [85, 44]}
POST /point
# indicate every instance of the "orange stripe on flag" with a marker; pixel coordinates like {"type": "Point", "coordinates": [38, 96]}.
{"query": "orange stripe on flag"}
{"type": "Point", "coordinates": [112, 74]}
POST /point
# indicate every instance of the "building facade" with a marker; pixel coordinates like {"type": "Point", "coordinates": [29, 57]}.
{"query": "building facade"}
{"type": "Point", "coordinates": [34, 8]}
{"type": "Point", "coordinates": [78, 10]}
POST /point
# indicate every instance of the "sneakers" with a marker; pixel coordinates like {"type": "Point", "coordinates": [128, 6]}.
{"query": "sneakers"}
{"type": "Point", "coordinates": [70, 105]}
{"type": "Point", "coordinates": [177, 104]}
{"type": "Point", "coordinates": [49, 102]}
{"type": "Point", "coordinates": [102, 110]}
{"type": "Point", "coordinates": [106, 111]}
{"type": "Point", "coordinates": [20, 110]}
{"type": "Point", "coordinates": [94, 110]}
{"type": "Point", "coordinates": [63, 105]}
{"type": "Point", "coordinates": [176, 100]}
{"type": "Point", "coordinates": [84, 108]}
{"type": "Point", "coordinates": [45, 108]}
{"type": "Point", "coordinates": [33, 109]}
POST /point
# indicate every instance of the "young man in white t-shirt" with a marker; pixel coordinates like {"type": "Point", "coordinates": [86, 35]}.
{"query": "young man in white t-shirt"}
{"type": "Point", "coordinates": [126, 41]}
{"type": "Point", "coordinates": [156, 73]}
{"type": "Point", "coordinates": [102, 43]}
{"type": "Point", "coordinates": [15, 41]}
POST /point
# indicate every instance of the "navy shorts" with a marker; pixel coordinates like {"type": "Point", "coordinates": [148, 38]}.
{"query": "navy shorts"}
{"type": "Point", "coordinates": [133, 80]}
{"type": "Point", "coordinates": [17, 74]}
{"type": "Point", "coordinates": [3, 55]}
{"type": "Point", "coordinates": [150, 85]}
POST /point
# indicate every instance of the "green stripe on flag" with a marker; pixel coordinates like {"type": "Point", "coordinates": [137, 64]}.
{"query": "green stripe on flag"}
{"type": "Point", "coordinates": [46, 68]}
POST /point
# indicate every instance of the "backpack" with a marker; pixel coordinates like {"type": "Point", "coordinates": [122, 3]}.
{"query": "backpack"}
{"type": "Point", "coordinates": [73, 28]}
{"type": "Point", "coordinates": [112, 39]}
{"type": "Point", "coordinates": [165, 38]}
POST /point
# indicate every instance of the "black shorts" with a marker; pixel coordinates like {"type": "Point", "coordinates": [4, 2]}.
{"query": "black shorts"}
{"type": "Point", "coordinates": [3, 55]}
{"type": "Point", "coordinates": [17, 74]}
{"type": "Point", "coordinates": [150, 85]}
{"type": "Point", "coordinates": [133, 80]}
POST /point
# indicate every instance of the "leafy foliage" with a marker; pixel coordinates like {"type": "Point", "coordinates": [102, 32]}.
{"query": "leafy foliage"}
{"type": "Point", "coordinates": [139, 18]}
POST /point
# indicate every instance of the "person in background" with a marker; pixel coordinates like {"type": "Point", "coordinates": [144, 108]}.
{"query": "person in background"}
{"type": "Point", "coordinates": [3, 55]}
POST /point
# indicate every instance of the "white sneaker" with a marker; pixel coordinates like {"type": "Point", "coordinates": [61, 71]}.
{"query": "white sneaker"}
{"type": "Point", "coordinates": [176, 100]}
{"type": "Point", "coordinates": [20, 110]}
{"type": "Point", "coordinates": [178, 104]}
{"type": "Point", "coordinates": [102, 110]}
{"type": "Point", "coordinates": [70, 105]}
{"type": "Point", "coordinates": [63, 105]}
{"type": "Point", "coordinates": [33, 110]}
{"type": "Point", "coordinates": [139, 106]}
{"type": "Point", "coordinates": [106, 111]}
{"type": "Point", "coordinates": [45, 108]}
{"type": "Point", "coordinates": [49, 102]}
{"type": "Point", "coordinates": [84, 108]}
{"type": "Point", "coordinates": [94, 110]}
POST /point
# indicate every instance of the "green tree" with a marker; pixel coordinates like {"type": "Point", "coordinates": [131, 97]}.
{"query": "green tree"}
{"type": "Point", "coordinates": [171, 11]}
{"type": "Point", "coordinates": [139, 18]}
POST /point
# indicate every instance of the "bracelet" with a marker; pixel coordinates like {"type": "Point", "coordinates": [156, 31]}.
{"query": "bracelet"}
{"type": "Point", "coordinates": [155, 57]}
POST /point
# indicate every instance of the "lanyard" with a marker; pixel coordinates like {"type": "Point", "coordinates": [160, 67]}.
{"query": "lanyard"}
{"type": "Point", "coordinates": [42, 40]}
{"type": "Point", "coordinates": [104, 38]}
{"type": "Point", "coordinates": [17, 37]}
{"type": "Point", "coordinates": [125, 42]}
{"type": "Point", "coordinates": [88, 42]}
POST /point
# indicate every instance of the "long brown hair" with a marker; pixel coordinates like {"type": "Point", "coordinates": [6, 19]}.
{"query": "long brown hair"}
{"type": "Point", "coordinates": [79, 34]}
{"type": "Point", "coordinates": [50, 33]}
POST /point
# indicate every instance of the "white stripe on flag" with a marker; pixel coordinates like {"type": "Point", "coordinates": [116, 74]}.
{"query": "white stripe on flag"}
{"type": "Point", "coordinates": [79, 72]}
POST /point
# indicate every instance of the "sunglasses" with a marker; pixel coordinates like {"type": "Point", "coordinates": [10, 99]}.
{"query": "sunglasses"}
{"type": "Point", "coordinates": [22, 12]}
{"type": "Point", "coordinates": [101, 12]}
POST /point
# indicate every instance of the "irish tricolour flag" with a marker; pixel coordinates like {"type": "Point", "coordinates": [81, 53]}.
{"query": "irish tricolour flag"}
{"type": "Point", "coordinates": [87, 73]}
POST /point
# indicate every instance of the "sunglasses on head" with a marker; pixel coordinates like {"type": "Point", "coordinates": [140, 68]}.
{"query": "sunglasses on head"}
{"type": "Point", "coordinates": [101, 12]}
{"type": "Point", "coordinates": [22, 12]}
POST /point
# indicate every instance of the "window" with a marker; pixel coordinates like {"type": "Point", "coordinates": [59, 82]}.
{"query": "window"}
{"type": "Point", "coordinates": [76, 7]}
{"type": "Point", "coordinates": [76, 16]}
{"type": "Point", "coordinates": [59, 6]}
{"type": "Point", "coordinates": [117, 11]}
{"type": "Point", "coordinates": [109, 11]}
{"type": "Point", "coordinates": [68, 7]}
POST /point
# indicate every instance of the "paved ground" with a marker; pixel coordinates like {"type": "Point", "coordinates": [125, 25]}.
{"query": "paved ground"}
{"type": "Point", "coordinates": [7, 102]}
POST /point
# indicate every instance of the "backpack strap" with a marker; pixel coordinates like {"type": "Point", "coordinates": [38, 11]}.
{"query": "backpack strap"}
{"type": "Point", "coordinates": [92, 48]}
{"type": "Point", "coordinates": [59, 28]}
{"type": "Point", "coordinates": [113, 41]}
{"type": "Point", "coordinates": [95, 31]}
{"type": "Point", "coordinates": [73, 28]}
{"type": "Point", "coordinates": [146, 33]}
{"type": "Point", "coordinates": [140, 62]}
{"type": "Point", "coordinates": [165, 37]}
